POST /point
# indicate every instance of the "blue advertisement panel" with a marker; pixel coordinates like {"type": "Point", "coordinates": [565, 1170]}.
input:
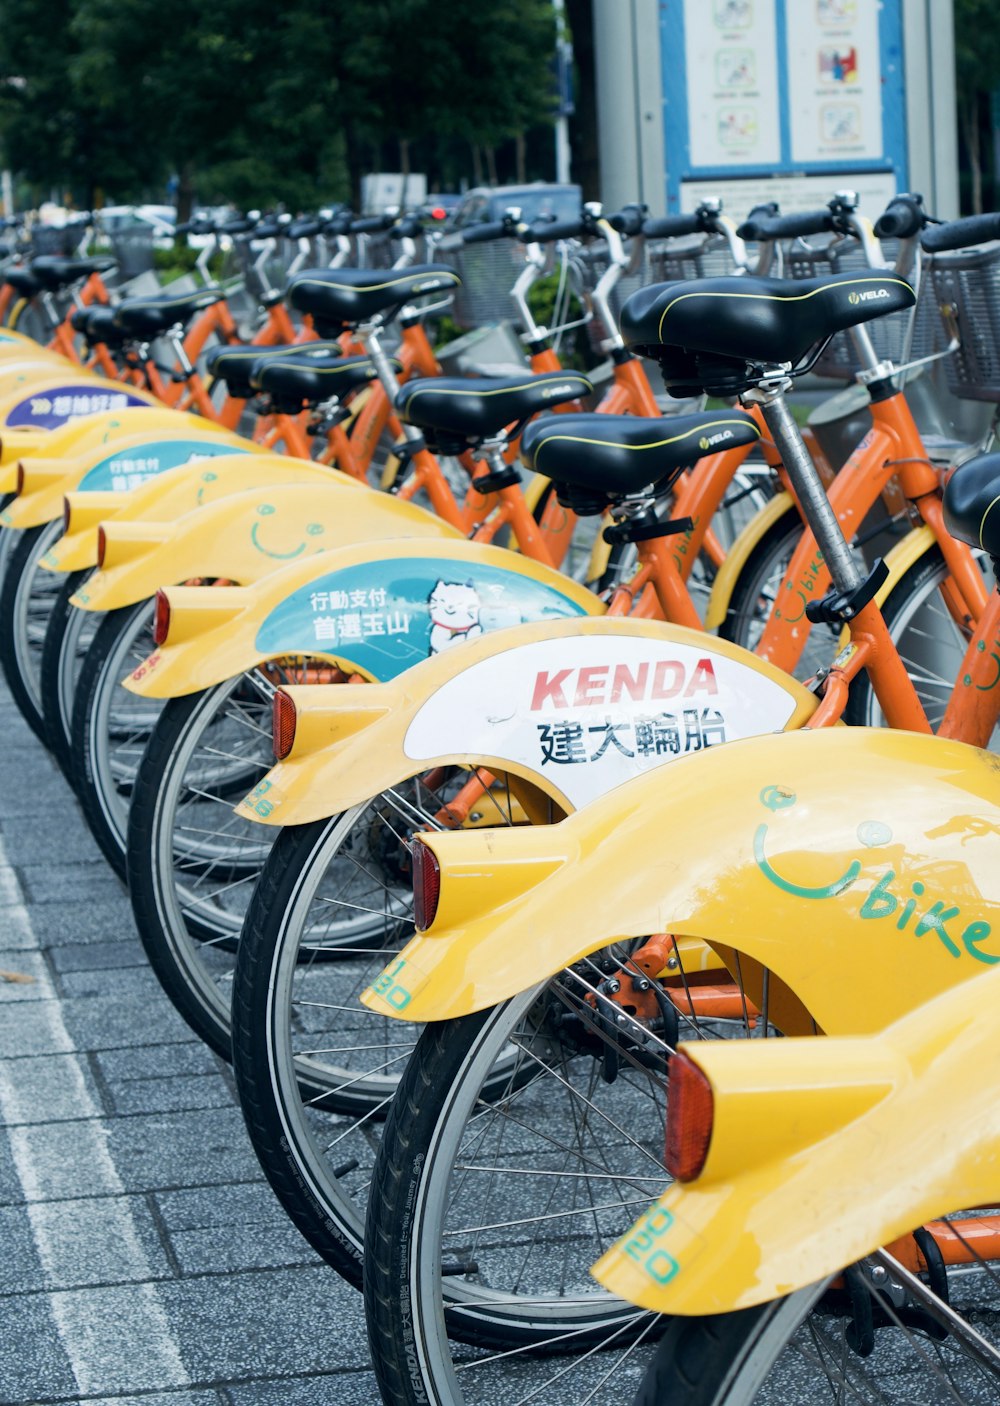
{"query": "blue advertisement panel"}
{"type": "Point", "coordinates": [782, 99]}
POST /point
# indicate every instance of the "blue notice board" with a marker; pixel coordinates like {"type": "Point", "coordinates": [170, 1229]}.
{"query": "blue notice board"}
{"type": "Point", "coordinates": [761, 89]}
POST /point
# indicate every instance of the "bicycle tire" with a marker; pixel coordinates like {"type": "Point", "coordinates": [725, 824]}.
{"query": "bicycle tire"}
{"type": "Point", "coordinates": [26, 599]}
{"type": "Point", "coordinates": [416, 1295]}
{"type": "Point", "coordinates": [110, 726]}
{"type": "Point", "coordinates": [67, 639]}
{"type": "Point", "coordinates": [930, 643]}
{"type": "Point", "coordinates": [755, 590]}
{"type": "Point", "coordinates": [190, 945]}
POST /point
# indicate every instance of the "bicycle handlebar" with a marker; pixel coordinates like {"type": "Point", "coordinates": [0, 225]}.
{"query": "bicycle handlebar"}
{"type": "Point", "coordinates": [409, 227]}
{"type": "Point", "coordinates": [629, 220]}
{"type": "Point", "coordinates": [902, 218]}
{"type": "Point", "coordinates": [787, 226]}
{"type": "Point", "coordinates": [482, 233]}
{"type": "Point", "coordinates": [672, 226]}
{"type": "Point", "coordinates": [959, 234]}
{"type": "Point", "coordinates": [548, 233]}
{"type": "Point", "coordinates": [371, 224]}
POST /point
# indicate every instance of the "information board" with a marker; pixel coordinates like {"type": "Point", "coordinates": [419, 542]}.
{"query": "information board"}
{"type": "Point", "coordinates": [805, 93]}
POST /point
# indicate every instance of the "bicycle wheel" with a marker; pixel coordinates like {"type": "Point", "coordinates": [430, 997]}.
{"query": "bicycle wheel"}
{"type": "Point", "coordinates": [69, 635]}
{"type": "Point", "coordinates": [110, 726]}
{"type": "Point", "coordinates": [802, 1349]}
{"type": "Point", "coordinates": [756, 590]}
{"type": "Point", "coordinates": [191, 862]}
{"type": "Point", "coordinates": [314, 1069]}
{"type": "Point", "coordinates": [488, 1208]}
{"type": "Point", "coordinates": [930, 643]}
{"type": "Point", "coordinates": [26, 600]}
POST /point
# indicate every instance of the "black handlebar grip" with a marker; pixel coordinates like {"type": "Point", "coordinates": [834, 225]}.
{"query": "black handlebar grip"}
{"type": "Point", "coordinates": [629, 220]}
{"type": "Point", "coordinates": [371, 224]}
{"type": "Point", "coordinates": [338, 224]}
{"type": "Point", "coordinates": [240, 226]}
{"type": "Point", "coordinates": [959, 234]}
{"type": "Point", "coordinates": [481, 233]}
{"type": "Point", "coordinates": [304, 228]}
{"type": "Point", "coordinates": [543, 232]}
{"type": "Point", "coordinates": [409, 227]}
{"type": "Point", "coordinates": [787, 226]}
{"type": "Point", "coordinates": [672, 226]}
{"type": "Point", "coordinates": [902, 218]}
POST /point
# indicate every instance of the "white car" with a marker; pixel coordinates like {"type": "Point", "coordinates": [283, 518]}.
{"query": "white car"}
{"type": "Point", "coordinates": [123, 219]}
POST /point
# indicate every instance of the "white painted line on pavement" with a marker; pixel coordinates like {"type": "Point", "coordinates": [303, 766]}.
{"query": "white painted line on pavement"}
{"type": "Point", "coordinates": [93, 1340]}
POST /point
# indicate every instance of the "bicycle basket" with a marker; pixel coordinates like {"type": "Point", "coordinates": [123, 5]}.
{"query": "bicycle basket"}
{"type": "Point", "coordinates": [967, 282]}
{"type": "Point", "coordinates": [586, 265]}
{"type": "Point", "coordinates": [900, 337]}
{"type": "Point", "coordinates": [488, 273]}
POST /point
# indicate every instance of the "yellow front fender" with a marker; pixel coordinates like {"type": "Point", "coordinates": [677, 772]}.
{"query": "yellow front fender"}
{"type": "Point", "coordinates": [245, 536]}
{"type": "Point", "coordinates": [169, 496]}
{"type": "Point", "coordinates": [116, 468]}
{"type": "Point", "coordinates": [739, 554]}
{"type": "Point", "coordinates": [55, 396]}
{"type": "Point", "coordinates": [77, 436]}
{"type": "Point", "coordinates": [821, 1151]}
{"type": "Point", "coordinates": [574, 706]}
{"type": "Point", "coordinates": [374, 609]}
{"type": "Point", "coordinates": [858, 866]}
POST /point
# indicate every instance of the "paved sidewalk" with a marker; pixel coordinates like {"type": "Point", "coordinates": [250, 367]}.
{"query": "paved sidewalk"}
{"type": "Point", "coordinates": [143, 1259]}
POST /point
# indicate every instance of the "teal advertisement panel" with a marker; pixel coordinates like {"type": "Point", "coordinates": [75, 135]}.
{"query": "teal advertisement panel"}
{"type": "Point", "coordinates": [132, 467]}
{"type": "Point", "coordinates": [385, 616]}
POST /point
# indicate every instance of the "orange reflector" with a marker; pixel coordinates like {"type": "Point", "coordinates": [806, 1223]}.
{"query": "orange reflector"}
{"type": "Point", "coordinates": [161, 619]}
{"type": "Point", "coordinates": [690, 1110]}
{"type": "Point", "coordinates": [282, 724]}
{"type": "Point", "coordinates": [426, 883]}
{"type": "Point", "coordinates": [102, 545]}
{"type": "Point", "coordinates": [66, 514]}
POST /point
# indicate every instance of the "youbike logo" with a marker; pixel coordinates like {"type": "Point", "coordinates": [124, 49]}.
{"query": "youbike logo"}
{"type": "Point", "coordinates": [912, 903]}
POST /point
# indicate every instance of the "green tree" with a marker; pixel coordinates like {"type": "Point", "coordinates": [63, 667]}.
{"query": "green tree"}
{"type": "Point", "coordinates": [977, 73]}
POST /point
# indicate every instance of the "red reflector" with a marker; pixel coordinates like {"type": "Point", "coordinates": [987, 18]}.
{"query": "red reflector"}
{"type": "Point", "coordinates": [282, 724]}
{"type": "Point", "coordinates": [426, 883]}
{"type": "Point", "coordinates": [102, 545]}
{"type": "Point", "coordinates": [20, 476]}
{"type": "Point", "coordinates": [439, 213]}
{"type": "Point", "coordinates": [161, 619]}
{"type": "Point", "coordinates": [690, 1110]}
{"type": "Point", "coordinates": [66, 514]}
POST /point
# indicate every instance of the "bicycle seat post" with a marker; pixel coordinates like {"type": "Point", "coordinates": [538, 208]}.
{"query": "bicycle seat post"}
{"type": "Point", "coordinates": [838, 555]}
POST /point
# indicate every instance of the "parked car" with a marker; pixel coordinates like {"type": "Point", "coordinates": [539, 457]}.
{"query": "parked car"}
{"type": "Point", "coordinates": [124, 220]}
{"type": "Point", "coordinates": [534, 201]}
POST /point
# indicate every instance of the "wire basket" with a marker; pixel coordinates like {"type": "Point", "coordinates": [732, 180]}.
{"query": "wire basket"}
{"type": "Point", "coordinates": [587, 265]}
{"type": "Point", "coordinates": [53, 239]}
{"type": "Point", "coordinates": [133, 248]}
{"type": "Point", "coordinates": [692, 256]}
{"type": "Point", "coordinates": [900, 337]}
{"type": "Point", "coordinates": [488, 273]}
{"type": "Point", "coordinates": [967, 282]}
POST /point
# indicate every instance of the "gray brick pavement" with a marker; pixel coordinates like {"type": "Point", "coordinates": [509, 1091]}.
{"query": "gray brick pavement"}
{"type": "Point", "coordinates": [145, 1262]}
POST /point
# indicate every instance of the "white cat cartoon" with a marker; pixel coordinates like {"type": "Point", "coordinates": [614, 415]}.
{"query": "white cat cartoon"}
{"type": "Point", "coordinates": [454, 611]}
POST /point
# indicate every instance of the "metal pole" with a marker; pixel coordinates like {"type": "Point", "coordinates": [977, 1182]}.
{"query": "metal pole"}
{"type": "Point", "coordinates": [564, 60]}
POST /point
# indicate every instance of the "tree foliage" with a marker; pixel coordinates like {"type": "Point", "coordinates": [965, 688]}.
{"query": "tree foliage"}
{"type": "Point", "coordinates": [977, 74]}
{"type": "Point", "coordinates": [261, 103]}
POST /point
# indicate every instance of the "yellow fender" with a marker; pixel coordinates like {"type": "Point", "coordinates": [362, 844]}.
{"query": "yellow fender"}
{"type": "Point", "coordinates": [739, 554]}
{"type": "Point", "coordinates": [55, 396]}
{"type": "Point", "coordinates": [374, 609]}
{"type": "Point", "coordinates": [535, 701]}
{"type": "Point", "coordinates": [171, 495]}
{"type": "Point", "coordinates": [859, 866]}
{"type": "Point", "coordinates": [19, 344]}
{"type": "Point", "coordinates": [822, 1151]}
{"type": "Point", "coordinates": [76, 436]}
{"type": "Point", "coordinates": [123, 464]}
{"type": "Point", "coordinates": [906, 553]}
{"type": "Point", "coordinates": [247, 535]}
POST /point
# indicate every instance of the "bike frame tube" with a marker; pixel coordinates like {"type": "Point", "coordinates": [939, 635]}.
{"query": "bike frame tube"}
{"type": "Point", "coordinates": [892, 446]}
